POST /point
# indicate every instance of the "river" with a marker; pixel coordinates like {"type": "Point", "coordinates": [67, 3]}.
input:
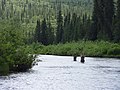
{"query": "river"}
{"type": "Point", "coordinates": [62, 73]}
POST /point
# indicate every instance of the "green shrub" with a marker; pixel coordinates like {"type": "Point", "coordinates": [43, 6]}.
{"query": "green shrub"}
{"type": "Point", "coordinates": [4, 69]}
{"type": "Point", "coordinates": [14, 55]}
{"type": "Point", "coordinates": [114, 51]}
{"type": "Point", "coordinates": [88, 48]}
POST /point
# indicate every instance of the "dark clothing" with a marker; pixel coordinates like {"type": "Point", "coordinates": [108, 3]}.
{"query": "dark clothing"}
{"type": "Point", "coordinates": [75, 58]}
{"type": "Point", "coordinates": [82, 59]}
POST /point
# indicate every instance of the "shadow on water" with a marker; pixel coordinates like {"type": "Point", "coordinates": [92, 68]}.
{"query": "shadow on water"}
{"type": "Point", "coordinates": [108, 69]}
{"type": "Point", "coordinates": [105, 67]}
{"type": "Point", "coordinates": [17, 74]}
{"type": "Point", "coordinates": [112, 71]}
{"type": "Point", "coordinates": [61, 67]}
{"type": "Point", "coordinates": [4, 77]}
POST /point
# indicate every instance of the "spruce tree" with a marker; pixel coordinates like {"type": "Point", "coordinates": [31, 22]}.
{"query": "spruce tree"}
{"type": "Point", "coordinates": [74, 30]}
{"type": "Point", "coordinates": [86, 22]}
{"type": "Point", "coordinates": [86, 29]}
{"type": "Point", "coordinates": [66, 28]}
{"type": "Point", "coordinates": [44, 35]}
{"type": "Point", "coordinates": [116, 26]}
{"type": "Point", "coordinates": [106, 8]}
{"type": "Point", "coordinates": [93, 31]}
{"type": "Point", "coordinates": [73, 27]}
{"type": "Point", "coordinates": [102, 20]}
{"type": "Point", "coordinates": [80, 28]}
{"type": "Point", "coordinates": [50, 34]}
{"type": "Point", "coordinates": [59, 32]}
{"type": "Point", "coordinates": [108, 15]}
{"type": "Point", "coordinates": [37, 35]}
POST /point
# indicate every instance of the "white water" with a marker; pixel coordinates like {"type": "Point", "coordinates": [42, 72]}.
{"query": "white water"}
{"type": "Point", "coordinates": [62, 73]}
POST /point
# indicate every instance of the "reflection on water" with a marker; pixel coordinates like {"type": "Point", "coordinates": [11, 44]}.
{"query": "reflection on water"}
{"type": "Point", "coordinates": [61, 73]}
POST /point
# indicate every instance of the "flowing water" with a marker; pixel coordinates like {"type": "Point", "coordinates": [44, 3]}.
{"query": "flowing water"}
{"type": "Point", "coordinates": [62, 73]}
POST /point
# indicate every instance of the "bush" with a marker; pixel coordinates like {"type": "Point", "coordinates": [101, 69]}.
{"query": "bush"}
{"type": "Point", "coordinates": [14, 56]}
{"type": "Point", "coordinates": [114, 51]}
{"type": "Point", "coordinates": [4, 69]}
{"type": "Point", "coordinates": [88, 48]}
{"type": "Point", "coordinates": [22, 61]}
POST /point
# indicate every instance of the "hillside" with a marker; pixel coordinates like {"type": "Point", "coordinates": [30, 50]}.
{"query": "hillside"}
{"type": "Point", "coordinates": [27, 12]}
{"type": "Point", "coordinates": [30, 10]}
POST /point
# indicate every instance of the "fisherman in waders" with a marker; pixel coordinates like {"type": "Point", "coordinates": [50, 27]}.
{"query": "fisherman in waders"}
{"type": "Point", "coordinates": [75, 58]}
{"type": "Point", "coordinates": [82, 58]}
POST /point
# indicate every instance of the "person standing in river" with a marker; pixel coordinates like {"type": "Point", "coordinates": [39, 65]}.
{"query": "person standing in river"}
{"type": "Point", "coordinates": [75, 58]}
{"type": "Point", "coordinates": [82, 58]}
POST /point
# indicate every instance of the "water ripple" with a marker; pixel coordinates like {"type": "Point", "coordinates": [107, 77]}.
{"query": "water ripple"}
{"type": "Point", "coordinates": [61, 73]}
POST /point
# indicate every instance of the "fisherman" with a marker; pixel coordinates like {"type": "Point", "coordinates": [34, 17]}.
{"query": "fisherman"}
{"type": "Point", "coordinates": [75, 58]}
{"type": "Point", "coordinates": [82, 58]}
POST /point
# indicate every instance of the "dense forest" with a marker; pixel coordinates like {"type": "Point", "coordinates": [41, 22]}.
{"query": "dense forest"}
{"type": "Point", "coordinates": [28, 12]}
{"type": "Point", "coordinates": [30, 27]}
{"type": "Point", "coordinates": [63, 21]}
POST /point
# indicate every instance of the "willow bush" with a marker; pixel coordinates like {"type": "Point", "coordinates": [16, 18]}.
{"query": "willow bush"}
{"type": "Point", "coordinates": [88, 48]}
{"type": "Point", "coordinates": [13, 55]}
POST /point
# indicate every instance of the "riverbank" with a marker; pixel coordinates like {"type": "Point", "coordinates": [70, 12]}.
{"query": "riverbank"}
{"type": "Point", "coordinates": [87, 48]}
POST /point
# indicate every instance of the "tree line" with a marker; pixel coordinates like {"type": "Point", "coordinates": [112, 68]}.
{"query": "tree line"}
{"type": "Point", "coordinates": [27, 11]}
{"type": "Point", "coordinates": [69, 28]}
{"type": "Point", "coordinates": [103, 25]}
{"type": "Point", "coordinates": [105, 22]}
{"type": "Point", "coordinates": [43, 33]}
{"type": "Point", "coordinates": [61, 27]}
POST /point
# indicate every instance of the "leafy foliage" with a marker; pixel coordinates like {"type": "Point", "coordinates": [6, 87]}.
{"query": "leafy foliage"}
{"type": "Point", "coordinates": [116, 24]}
{"type": "Point", "coordinates": [12, 50]}
{"type": "Point", "coordinates": [88, 48]}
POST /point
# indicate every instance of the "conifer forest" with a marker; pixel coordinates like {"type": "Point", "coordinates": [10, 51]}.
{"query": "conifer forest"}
{"type": "Point", "coordinates": [59, 27]}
